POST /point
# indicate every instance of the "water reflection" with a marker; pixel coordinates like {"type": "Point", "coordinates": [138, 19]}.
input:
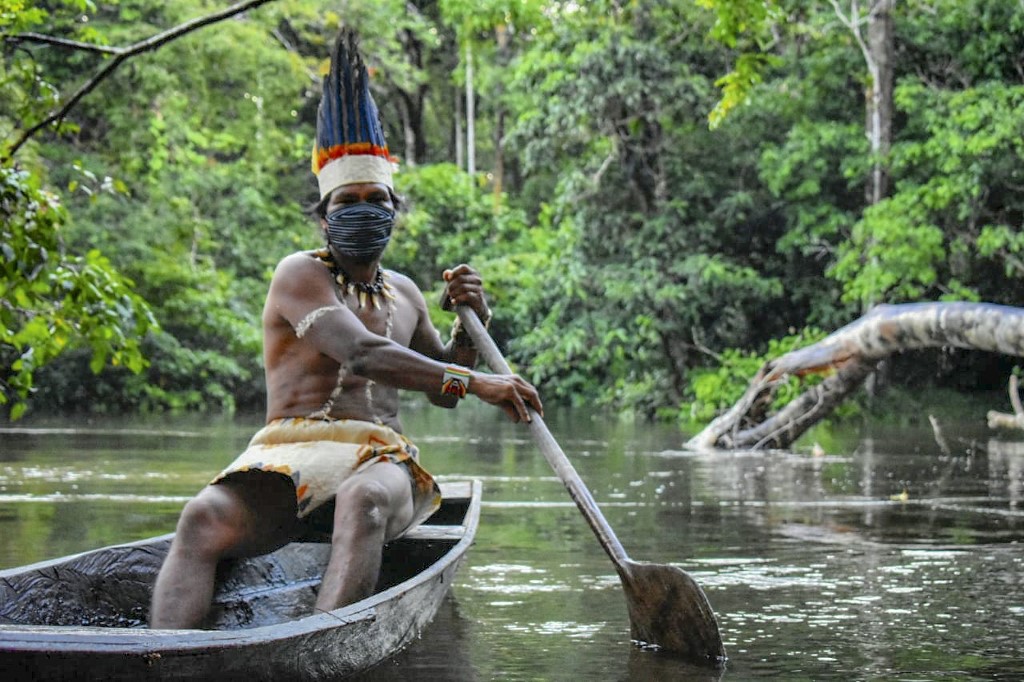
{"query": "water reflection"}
{"type": "Point", "coordinates": [878, 555]}
{"type": "Point", "coordinates": [1006, 470]}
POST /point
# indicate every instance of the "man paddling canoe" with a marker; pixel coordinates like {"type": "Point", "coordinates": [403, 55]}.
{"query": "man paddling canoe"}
{"type": "Point", "coordinates": [341, 336]}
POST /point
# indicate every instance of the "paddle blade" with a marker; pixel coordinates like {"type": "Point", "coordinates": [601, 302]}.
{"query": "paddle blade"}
{"type": "Point", "coordinates": [667, 609]}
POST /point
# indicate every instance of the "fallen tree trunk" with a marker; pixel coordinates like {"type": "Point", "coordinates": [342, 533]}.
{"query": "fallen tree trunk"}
{"type": "Point", "coordinates": [848, 356]}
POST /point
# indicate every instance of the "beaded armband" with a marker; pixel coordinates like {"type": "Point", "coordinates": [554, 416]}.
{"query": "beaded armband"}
{"type": "Point", "coordinates": [455, 381]}
{"type": "Point", "coordinates": [309, 320]}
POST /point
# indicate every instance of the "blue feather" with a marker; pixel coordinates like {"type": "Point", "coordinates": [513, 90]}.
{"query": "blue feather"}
{"type": "Point", "coordinates": [347, 113]}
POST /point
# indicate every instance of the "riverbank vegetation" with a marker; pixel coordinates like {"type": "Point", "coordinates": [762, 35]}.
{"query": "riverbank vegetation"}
{"type": "Point", "coordinates": [658, 193]}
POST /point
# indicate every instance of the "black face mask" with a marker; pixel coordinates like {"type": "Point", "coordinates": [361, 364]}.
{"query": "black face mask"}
{"type": "Point", "coordinates": [360, 231]}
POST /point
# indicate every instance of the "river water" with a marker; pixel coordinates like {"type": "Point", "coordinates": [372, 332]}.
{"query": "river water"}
{"type": "Point", "coordinates": [866, 553]}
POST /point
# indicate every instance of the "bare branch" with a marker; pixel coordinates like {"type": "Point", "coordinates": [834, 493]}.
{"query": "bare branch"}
{"type": "Point", "coordinates": [853, 23]}
{"type": "Point", "coordinates": [123, 54]}
{"type": "Point", "coordinates": [940, 438]}
{"type": "Point", "coordinates": [281, 39]}
{"type": "Point", "coordinates": [1001, 420]}
{"type": "Point", "coordinates": [698, 345]}
{"type": "Point", "coordinates": [1015, 397]}
{"type": "Point", "coordinates": [62, 42]}
{"type": "Point", "coordinates": [595, 179]}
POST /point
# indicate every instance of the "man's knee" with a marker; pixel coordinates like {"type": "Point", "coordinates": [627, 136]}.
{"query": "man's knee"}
{"type": "Point", "coordinates": [378, 502]}
{"type": "Point", "coordinates": [364, 502]}
{"type": "Point", "coordinates": [211, 523]}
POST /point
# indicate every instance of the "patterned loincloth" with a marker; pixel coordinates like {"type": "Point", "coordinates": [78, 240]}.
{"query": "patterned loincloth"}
{"type": "Point", "coordinates": [318, 454]}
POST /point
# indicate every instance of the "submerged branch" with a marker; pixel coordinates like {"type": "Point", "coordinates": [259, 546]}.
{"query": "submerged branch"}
{"type": "Point", "coordinates": [1001, 420]}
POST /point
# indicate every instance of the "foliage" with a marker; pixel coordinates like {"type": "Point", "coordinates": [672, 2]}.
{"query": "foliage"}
{"type": "Point", "coordinates": [54, 302]}
{"type": "Point", "coordinates": [671, 247]}
{"type": "Point", "coordinates": [192, 221]}
{"type": "Point", "coordinates": [634, 257]}
{"type": "Point", "coordinates": [955, 197]}
{"type": "Point", "coordinates": [744, 25]}
{"type": "Point", "coordinates": [450, 219]}
{"type": "Point", "coordinates": [712, 390]}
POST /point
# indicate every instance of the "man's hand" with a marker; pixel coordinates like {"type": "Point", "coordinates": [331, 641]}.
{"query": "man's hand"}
{"type": "Point", "coordinates": [465, 287]}
{"type": "Point", "coordinates": [510, 392]}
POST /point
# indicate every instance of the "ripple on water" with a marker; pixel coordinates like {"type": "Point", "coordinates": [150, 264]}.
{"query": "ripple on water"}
{"type": "Point", "coordinates": [59, 496]}
{"type": "Point", "coordinates": [19, 476]}
{"type": "Point", "coordinates": [515, 579]}
{"type": "Point", "coordinates": [570, 629]}
{"type": "Point", "coordinates": [765, 574]}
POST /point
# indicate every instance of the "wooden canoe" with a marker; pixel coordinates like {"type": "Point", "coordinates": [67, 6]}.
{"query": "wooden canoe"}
{"type": "Point", "coordinates": [83, 616]}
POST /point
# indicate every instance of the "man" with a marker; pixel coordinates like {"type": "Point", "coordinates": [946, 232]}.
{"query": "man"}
{"type": "Point", "coordinates": [341, 336]}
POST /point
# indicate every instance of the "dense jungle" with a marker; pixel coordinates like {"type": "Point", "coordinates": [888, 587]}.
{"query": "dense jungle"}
{"type": "Point", "coordinates": [658, 193]}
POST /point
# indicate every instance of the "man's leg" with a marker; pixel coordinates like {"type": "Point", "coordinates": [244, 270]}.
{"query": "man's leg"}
{"type": "Point", "coordinates": [371, 507]}
{"type": "Point", "coordinates": [246, 516]}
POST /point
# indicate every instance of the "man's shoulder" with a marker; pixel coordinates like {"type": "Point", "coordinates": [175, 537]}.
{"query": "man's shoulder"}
{"type": "Point", "coordinates": [406, 288]}
{"type": "Point", "coordinates": [403, 283]}
{"type": "Point", "coordinates": [300, 259]}
{"type": "Point", "coordinates": [298, 272]}
{"type": "Point", "coordinates": [306, 255]}
{"type": "Point", "coordinates": [399, 279]}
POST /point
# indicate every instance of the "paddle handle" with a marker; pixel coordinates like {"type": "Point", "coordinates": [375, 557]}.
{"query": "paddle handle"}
{"type": "Point", "coordinates": [548, 445]}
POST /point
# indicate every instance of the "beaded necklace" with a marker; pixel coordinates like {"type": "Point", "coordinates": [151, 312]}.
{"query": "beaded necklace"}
{"type": "Point", "coordinates": [379, 288]}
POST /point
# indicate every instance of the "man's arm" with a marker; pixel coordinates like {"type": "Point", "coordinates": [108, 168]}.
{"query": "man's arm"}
{"type": "Point", "coordinates": [464, 287]}
{"type": "Point", "coordinates": [302, 290]}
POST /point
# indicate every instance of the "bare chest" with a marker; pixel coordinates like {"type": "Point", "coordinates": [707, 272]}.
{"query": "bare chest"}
{"type": "Point", "coordinates": [388, 314]}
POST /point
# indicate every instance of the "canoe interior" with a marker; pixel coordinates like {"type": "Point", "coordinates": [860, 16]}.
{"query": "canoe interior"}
{"type": "Point", "coordinates": [111, 587]}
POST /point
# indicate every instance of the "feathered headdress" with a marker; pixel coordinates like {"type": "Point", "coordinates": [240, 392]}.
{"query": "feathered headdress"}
{"type": "Point", "coordinates": [350, 145]}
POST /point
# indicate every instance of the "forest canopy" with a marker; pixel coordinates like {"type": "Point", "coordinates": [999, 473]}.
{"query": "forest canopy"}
{"type": "Point", "coordinates": [657, 192]}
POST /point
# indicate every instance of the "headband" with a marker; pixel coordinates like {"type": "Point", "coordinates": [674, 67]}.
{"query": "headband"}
{"type": "Point", "coordinates": [350, 145]}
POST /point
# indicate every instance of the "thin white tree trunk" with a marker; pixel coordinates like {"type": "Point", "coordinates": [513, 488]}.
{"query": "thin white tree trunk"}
{"type": "Point", "coordinates": [877, 49]}
{"type": "Point", "coordinates": [460, 144]}
{"type": "Point", "coordinates": [501, 37]}
{"type": "Point", "coordinates": [470, 114]}
{"type": "Point", "coordinates": [879, 57]}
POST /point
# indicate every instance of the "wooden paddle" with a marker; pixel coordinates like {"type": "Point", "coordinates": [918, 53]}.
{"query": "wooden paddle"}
{"type": "Point", "coordinates": [667, 608]}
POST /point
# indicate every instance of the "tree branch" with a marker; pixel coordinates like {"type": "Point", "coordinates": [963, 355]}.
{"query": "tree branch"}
{"type": "Point", "coordinates": [1015, 397]}
{"type": "Point", "coordinates": [62, 42]}
{"type": "Point", "coordinates": [119, 56]}
{"type": "Point", "coordinates": [1001, 420]}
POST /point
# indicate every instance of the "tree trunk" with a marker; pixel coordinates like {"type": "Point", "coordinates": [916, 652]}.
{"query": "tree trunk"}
{"type": "Point", "coordinates": [412, 126]}
{"type": "Point", "coordinates": [470, 114]}
{"type": "Point", "coordinates": [849, 355]}
{"type": "Point", "coordinates": [501, 36]}
{"type": "Point", "coordinates": [877, 50]}
{"type": "Point", "coordinates": [879, 57]}
{"type": "Point", "coordinates": [459, 142]}
{"type": "Point", "coordinates": [412, 104]}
